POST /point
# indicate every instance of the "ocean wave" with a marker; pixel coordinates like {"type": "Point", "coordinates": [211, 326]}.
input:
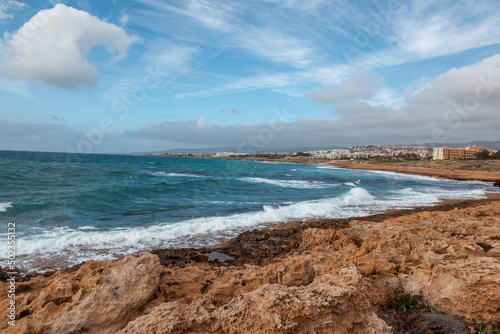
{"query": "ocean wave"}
{"type": "Point", "coordinates": [176, 174]}
{"type": "Point", "coordinates": [87, 227]}
{"type": "Point", "coordinates": [395, 175]}
{"type": "Point", "coordinates": [81, 245]}
{"type": "Point", "coordinates": [409, 197]}
{"type": "Point", "coordinates": [298, 184]}
{"type": "Point", "coordinates": [327, 167]}
{"type": "Point", "coordinates": [5, 205]}
{"type": "Point", "coordinates": [227, 202]}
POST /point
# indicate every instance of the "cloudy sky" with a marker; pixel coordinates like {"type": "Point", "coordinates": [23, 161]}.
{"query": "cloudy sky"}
{"type": "Point", "coordinates": [148, 75]}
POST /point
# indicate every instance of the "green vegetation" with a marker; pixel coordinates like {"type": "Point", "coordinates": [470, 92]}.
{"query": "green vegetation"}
{"type": "Point", "coordinates": [401, 302]}
{"type": "Point", "coordinates": [408, 308]}
{"type": "Point", "coordinates": [482, 327]}
{"type": "Point", "coordinates": [303, 154]}
{"type": "Point", "coordinates": [485, 154]}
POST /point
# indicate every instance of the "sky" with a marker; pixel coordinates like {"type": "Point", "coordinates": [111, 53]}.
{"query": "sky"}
{"type": "Point", "coordinates": [150, 75]}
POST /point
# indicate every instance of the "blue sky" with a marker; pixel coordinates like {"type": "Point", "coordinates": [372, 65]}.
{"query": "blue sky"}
{"type": "Point", "coordinates": [149, 75]}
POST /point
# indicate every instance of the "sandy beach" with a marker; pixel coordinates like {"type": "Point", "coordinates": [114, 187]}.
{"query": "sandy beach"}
{"type": "Point", "coordinates": [319, 276]}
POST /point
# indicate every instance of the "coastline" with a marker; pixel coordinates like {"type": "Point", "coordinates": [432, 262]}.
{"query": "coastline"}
{"type": "Point", "coordinates": [288, 260]}
{"type": "Point", "coordinates": [460, 170]}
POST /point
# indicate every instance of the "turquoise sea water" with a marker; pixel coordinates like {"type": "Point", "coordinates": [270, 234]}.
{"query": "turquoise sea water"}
{"type": "Point", "coordinates": [70, 208]}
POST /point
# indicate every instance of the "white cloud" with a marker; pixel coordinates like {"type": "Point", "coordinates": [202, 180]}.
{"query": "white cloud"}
{"type": "Point", "coordinates": [8, 5]}
{"type": "Point", "coordinates": [124, 19]}
{"type": "Point", "coordinates": [211, 14]}
{"type": "Point", "coordinates": [282, 82]}
{"type": "Point", "coordinates": [36, 137]}
{"type": "Point", "coordinates": [243, 85]}
{"type": "Point", "coordinates": [276, 46]}
{"type": "Point", "coordinates": [433, 28]}
{"type": "Point", "coordinates": [457, 106]}
{"type": "Point", "coordinates": [357, 86]}
{"type": "Point", "coordinates": [225, 20]}
{"type": "Point", "coordinates": [162, 61]}
{"type": "Point", "coordinates": [51, 47]}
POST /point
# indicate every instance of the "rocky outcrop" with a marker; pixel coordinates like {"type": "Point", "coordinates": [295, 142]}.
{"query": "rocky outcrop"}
{"type": "Point", "coordinates": [99, 297]}
{"type": "Point", "coordinates": [333, 303]}
{"type": "Point", "coordinates": [323, 279]}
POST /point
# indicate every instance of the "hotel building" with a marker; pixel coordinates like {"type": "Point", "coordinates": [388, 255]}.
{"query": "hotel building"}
{"type": "Point", "coordinates": [447, 153]}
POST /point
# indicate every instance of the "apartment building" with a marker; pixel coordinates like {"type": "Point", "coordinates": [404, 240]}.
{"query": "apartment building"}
{"type": "Point", "coordinates": [456, 153]}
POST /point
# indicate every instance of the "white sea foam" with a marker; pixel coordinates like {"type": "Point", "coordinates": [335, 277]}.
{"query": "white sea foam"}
{"type": "Point", "coordinates": [299, 184]}
{"type": "Point", "coordinates": [5, 205]}
{"type": "Point", "coordinates": [327, 167]}
{"type": "Point", "coordinates": [80, 245]}
{"type": "Point", "coordinates": [350, 184]}
{"type": "Point", "coordinates": [87, 227]}
{"type": "Point", "coordinates": [226, 202]}
{"type": "Point", "coordinates": [176, 174]}
{"type": "Point", "coordinates": [409, 197]}
{"type": "Point", "coordinates": [183, 175]}
{"type": "Point", "coordinates": [406, 176]}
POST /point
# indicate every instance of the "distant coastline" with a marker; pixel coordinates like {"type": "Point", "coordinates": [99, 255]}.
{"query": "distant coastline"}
{"type": "Point", "coordinates": [462, 170]}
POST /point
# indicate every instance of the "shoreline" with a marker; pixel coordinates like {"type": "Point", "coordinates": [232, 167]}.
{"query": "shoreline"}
{"type": "Point", "coordinates": [459, 170]}
{"type": "Point", "coordinates": [279, 238]}
{"type": "Point", "coordinates": [306, 276]}
{"type": "Point", "coordinates": [442, 205]}
{"type": "Point", "coordinates": [283, 236]}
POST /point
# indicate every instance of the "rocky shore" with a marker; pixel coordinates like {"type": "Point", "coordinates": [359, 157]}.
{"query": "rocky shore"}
{"type": "Point", "coordinates": [321, 276]}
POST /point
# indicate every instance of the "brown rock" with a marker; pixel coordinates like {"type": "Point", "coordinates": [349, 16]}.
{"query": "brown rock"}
{"type": "Point", "coordinates": [330, 305]}
{"type": "Point", "coordinates": [98, 298]}
{"type": "Point", "coordinates": [465, 287]}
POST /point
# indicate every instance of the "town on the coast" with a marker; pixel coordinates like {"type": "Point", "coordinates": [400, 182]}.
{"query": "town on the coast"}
{"type": "Point", "coordinates": [368, 152]}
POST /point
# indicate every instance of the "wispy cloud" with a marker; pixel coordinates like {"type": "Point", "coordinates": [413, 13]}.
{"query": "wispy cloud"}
{"type": "Point", "coordinates": [211, 14]}
{"type": "Point", "coordinates": [414, 122]}
{"type": "Point", "coordinates": [16, 87]}
{"type": "Point", "coordinates": [432, 28]}
{"type": "Point", "coordinates": [6, 6]}
{"type": "Point", "coordinates": [277, 47]}
{"type": "Point", "coordinates": [284, 82]}
{"type": "Point", "coordinates": [227, 19]}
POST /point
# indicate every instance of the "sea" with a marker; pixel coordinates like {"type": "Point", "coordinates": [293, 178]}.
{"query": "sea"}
{"type": "Point", "coordinates": [69, 208]}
